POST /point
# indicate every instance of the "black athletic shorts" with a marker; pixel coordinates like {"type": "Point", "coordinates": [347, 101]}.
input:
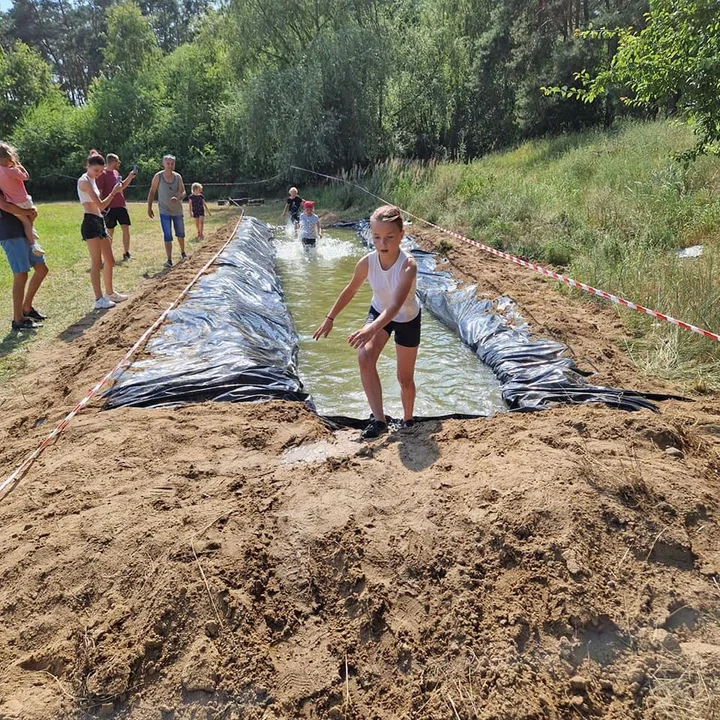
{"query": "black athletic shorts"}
{"type": "Point", "coordinates": [93, 226]}
{"type": "Point", "coordinates": [295, 216]}
{"type": "Point", "coordinates": [407, 334]}
{"type": "Point", "coordinates": [309, 242]}
{"type": "Point", "coordinates": [115, 216]}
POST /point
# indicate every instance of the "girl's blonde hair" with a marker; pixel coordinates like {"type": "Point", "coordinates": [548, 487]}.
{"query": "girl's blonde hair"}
{"type": "Point", "coordinates": [388, 214]}
{"type": "Point", "coordinates": [8, 152]}
{"type": "Point", "coordinates": [196, 186]}
{"type": "Point", "coordinates": [293, 190]}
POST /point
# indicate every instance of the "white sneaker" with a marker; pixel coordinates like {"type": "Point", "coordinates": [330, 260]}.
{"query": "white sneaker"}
{"type": "Point", "coordinates": [37, 250]}
{"type": "Point", "coordinates": [104, 303]}
{"type": "Point", "coordinates": [117, 297]}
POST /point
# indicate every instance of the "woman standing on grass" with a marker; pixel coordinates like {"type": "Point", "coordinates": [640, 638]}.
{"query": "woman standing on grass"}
{"type": "Point", "coordinates": [94, 232]}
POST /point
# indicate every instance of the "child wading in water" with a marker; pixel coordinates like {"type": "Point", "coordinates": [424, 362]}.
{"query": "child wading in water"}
{"type": "Point", "coordinates": [198, 206]}
{"type": "Point", "coordinates": [392, 275]}
{"type": "Point", "coordinates": [12, 183]}
{"type": "Point", "coordinates": [310, 229]}
{"type": "Point", "coordinates": [293, 204]}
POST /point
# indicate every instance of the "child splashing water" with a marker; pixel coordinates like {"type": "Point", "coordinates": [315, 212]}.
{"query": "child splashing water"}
{"type": "Point", "coordinates": [392, 275]}
{"type": "Point", "coordinates": [310, 229]}
{"type": "Point", "coordinates": [293, 204]}
{"type": "Point", "coordinates": [12, 183]}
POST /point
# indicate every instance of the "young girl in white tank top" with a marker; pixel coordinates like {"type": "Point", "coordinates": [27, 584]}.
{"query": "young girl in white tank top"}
{"type": "Point", "coordinates": [384, 283]}
{"type": "Point", "coordinates": [392, 275]}
{"type": "Point", "coordinates": [95, 234]}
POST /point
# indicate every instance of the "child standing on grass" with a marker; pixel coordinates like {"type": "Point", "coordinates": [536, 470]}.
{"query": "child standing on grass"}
{"type": "Point", "coordinates": [310, 229]}
{"type": "Point", "coordinates": [12, 183]}
{"type": "Point", "coordinates": [198, 207]}
{"type": "Point", "coordinates": [392, 275]}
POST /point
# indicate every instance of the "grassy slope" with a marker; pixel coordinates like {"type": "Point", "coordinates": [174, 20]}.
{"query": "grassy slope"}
{"type": "Point", "coordinates": [609, 208]}
{"type": "Point", "coordinates": [66, 295]}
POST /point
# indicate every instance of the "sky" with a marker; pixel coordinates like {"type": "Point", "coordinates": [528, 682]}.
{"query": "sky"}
{"type": "Point", "coordinates": [5, 4]}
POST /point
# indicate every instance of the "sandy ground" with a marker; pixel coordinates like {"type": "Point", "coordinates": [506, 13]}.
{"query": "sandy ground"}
{"type": "Point", "coordinates": [241, 561]}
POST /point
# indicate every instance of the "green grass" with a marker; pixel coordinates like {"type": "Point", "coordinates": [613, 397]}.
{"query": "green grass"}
{"type": "Point", "coordinates": [608, 207]}
{"type": "Point", "coordinates": [66, 295]}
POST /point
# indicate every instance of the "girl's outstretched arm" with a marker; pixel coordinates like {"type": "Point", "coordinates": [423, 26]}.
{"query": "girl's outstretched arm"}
{"type": "Point", "coordinates": [347, 294]}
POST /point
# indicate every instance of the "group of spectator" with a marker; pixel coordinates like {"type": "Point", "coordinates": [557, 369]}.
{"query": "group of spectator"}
{"type": "Point", "coordinates": [101, 192]}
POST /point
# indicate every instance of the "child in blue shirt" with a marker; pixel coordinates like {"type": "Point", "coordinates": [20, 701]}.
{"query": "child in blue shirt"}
{"type": "Point", "coordinates": [310, 229]}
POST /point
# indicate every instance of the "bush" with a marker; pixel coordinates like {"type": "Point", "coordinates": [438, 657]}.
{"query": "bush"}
{"type": "Point", "coordinates": [51, 145]}
{"type": "Point", "coordinates": [443, 247]}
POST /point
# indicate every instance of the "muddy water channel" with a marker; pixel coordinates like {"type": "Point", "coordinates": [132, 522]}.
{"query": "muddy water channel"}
{"type": "Point", "coordinates": [449, 377]}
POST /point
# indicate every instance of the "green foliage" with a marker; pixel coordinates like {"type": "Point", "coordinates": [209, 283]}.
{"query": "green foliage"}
{"type": "Point", "coordinates": [174, 22]}
{"type": "Point", "coordinates": [131, 45]}
{"type": "Point", "coordinates": [609, 208]}
{"type": "Point", "coordinates": [71, 34]}
{"type": "Point", "coordinates": [443, 247]}
{"type": "Point", "coordinates": [68, 34]}
{"type": "Point", "coordinates": [557, 254]}
{"type": "Point", "coordinates": [194, 87]}
{"type": "Point", "coordinates": [250, 87]}
{"type": "Point", "coordinates": [672, 63]}
{"type": "Point", "coordinates": [49, 139]}
{"type": "Point", "coordinates": [24, 82]}
{"type": "Point", "coordinates": [126, 113]}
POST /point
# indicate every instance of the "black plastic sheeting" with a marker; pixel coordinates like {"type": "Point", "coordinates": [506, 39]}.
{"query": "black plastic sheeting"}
{"type": "Point", "coordinates": [535, 373]}
{"type": "Point", "coordinates": [232, 339]}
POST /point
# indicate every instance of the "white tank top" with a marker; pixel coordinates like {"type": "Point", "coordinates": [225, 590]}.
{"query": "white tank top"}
{"type": "Point", "coordinates": [384, 284]}
{"type": "Point", "coordinates": [83, 194]}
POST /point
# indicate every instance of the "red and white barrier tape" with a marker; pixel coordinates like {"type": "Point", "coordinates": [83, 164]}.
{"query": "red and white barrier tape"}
{"type": "Point", "coordinates": [30, 459]}
{"type": "Point", "coordinates": [574, 283]}
{"type": "Point", "coordinates": [537, 268]}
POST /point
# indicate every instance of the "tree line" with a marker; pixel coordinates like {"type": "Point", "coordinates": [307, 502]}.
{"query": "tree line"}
{"type": "Point", "coordinates": [246, 88]}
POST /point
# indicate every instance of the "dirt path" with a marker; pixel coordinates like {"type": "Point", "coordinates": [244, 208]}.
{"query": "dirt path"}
{"type": "Point", "coordinates": [176, 564]}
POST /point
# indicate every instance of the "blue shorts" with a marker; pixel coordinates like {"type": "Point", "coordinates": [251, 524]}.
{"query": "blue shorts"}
{"type": "Point", "coordinates": [167, 222]}
{"type": "Point", "coordinates": [19, 255]}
